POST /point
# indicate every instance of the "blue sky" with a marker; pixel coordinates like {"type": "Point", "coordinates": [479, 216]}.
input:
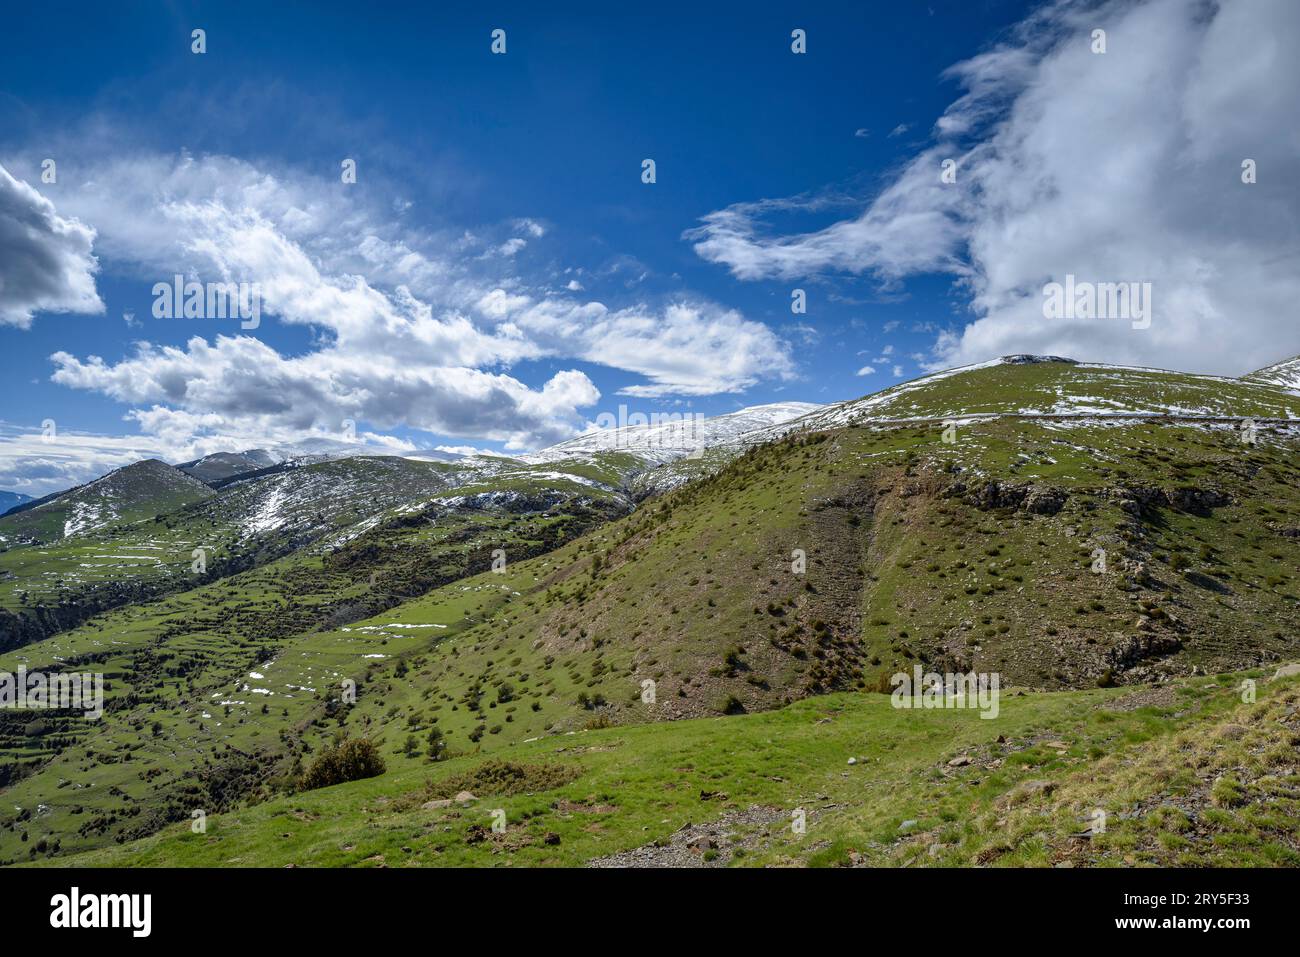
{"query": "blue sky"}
{"type": "Point", "coordinates": [505, 191]}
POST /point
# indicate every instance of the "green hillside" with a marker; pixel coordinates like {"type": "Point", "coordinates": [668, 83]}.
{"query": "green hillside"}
{"type": "Point", "coordinates": [249, 523]}
{"type": "Point", "coordinates": [1049, 386]}
{"type": "Point", "coordinates": [122, 497]}
{"type": "Point", "coordinates": [1189, 776]}
{"type": "Point", "coordinates": [184, 691]}
{"type": "Point", "coordinates": [1080, 558]}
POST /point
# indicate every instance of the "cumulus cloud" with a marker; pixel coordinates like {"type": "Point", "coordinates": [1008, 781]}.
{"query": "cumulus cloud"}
{"type": "Point", "coordinates": [1123, 166]}
{"type": "Point", "coordinates": [34, 465]}
{"type": "Point", "coordinates": [239, 379]}
{"type": "Point", "coordinates": [46, 263]}
{"type": "Point", "coordinates": [689, 347]}
{"type": "Point", "coordinates": [412, 329]}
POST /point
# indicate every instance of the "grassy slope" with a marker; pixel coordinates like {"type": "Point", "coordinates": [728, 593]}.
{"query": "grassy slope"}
{"type": "Point", "coordinates": [252, 522]}
{"type": "Point", "coordinates": [1149, 767]}
{"type": "Point", "coordinates": [122, 497]}
{"type": "Point", "coordinates": [696, 591]}
{"type": "Point", "coordinates": [514, 662]}
{"type": "Point", "coordinates": [1046, 388]}
{"type": "Point", "coordinates": [179, 671]}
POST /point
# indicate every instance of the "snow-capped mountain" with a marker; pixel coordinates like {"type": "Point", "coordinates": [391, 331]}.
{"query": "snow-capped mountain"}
{"type": "Point", "coordinates": [129, 494]}
{"type": "Point", "coordinates": [1056, 386]}
{"type": "Point", "coordinates": [675, 436]}
{"type": "Point", "coordinates": [1284, 374]}
{"type": "Point", "coordinates": [222, 465]}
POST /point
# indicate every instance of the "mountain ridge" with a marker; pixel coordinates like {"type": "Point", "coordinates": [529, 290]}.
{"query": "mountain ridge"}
{"type": "Point", "coordinates": [11, 500]}
{"type": "Point", "coordinates": [488, 605]}
{"type": "Point", "coordinates": [1284, 374]}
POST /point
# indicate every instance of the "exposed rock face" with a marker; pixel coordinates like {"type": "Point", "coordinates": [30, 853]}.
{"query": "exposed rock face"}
{"type": "Point", "coordinates": [1141, 647]}
{"type": "Point", "coordinates": [1197, 501]}
{"type": "Point", "coordinates": [1039, 499]}
{"type": "Point", "coordinates": [1045, 500]}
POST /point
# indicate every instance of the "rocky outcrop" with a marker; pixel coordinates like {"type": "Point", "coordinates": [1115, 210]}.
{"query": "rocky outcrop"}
{"type": "Point", "coordinates": [1038, 499]}
{"type": "Point", "coordinates": [1134, 649]}
{"type": "Point", "coordinates": [1045, 500]}
{"type": "Point", "coordinates": [1184, 498]}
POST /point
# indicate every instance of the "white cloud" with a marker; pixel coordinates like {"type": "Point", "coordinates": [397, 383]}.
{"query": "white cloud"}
{"type": "Point", "coordinates": [1115, 167]}
{"type": "Point", "coordinates": [910, 227]}
{"type": "Point", "coordinates": [410, 330]}
{"type": "Point", "coordinates": [240, 381]}
{"type": "Point", "coordinates": [866, 370]}
{"type": "Point", "coordinates": [45, 259]}
{"type": "Point", "coordinates": [36, 466]}
{"type": "Point", "coordinates": [464, 450]}
{"type": "Point", "coordinates": [510, 246]}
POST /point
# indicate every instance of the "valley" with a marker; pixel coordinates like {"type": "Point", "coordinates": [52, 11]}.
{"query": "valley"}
{"type": "Point", "coordinates": [698, 635]}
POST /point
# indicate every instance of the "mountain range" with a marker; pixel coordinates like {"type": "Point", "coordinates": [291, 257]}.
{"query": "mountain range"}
{"type": "Point", "coordinates": [9, 500]}
{"type": "Point", "coordinates": [653, 643]}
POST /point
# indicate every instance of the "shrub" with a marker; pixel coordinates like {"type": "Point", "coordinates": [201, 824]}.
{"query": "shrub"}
{"type": "Point", "coordinates": [730, 704]}
{"type": "Point", "coordinates": [437, 744]}
{"type": "Point", "coordinates": [349, 760]}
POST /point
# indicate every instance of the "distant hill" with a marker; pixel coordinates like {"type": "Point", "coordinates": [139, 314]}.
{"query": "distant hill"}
{"type": "Point", "coordinates": [9, 500]}
{"type": "Point", "coordinates": [671, 438]}
{"type": "Point", "coordinates": [1284, 374]}
{"type": "Point", "coordinates": [1054, 386]}
{"type": "Point", "coordinates": [224, 465]}
{"type": "Point", "coordinates": [1083, 531]}
{"type": "Point", "coordinates": [128, 494]}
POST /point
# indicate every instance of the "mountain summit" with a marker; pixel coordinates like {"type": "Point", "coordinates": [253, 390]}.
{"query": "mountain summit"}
{"type": "Point", "coordinates": [1080, 530]}
{"type": "Point", "coordinates": [1284, 374]}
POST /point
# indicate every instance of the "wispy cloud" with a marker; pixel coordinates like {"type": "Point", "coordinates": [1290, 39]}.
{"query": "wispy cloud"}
{"type": "Point", "coordinates": [1115, 166]}
{"type": "Point", "coordinates": [412, 330]}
